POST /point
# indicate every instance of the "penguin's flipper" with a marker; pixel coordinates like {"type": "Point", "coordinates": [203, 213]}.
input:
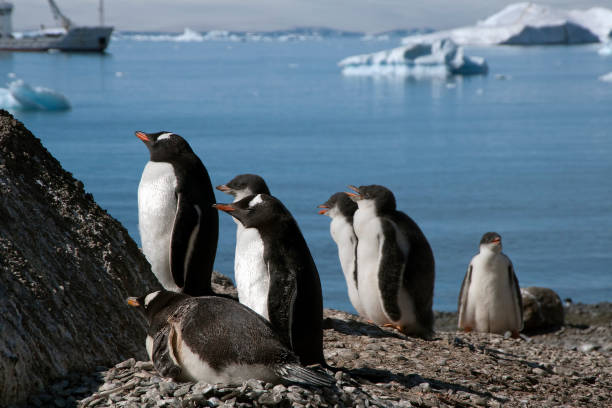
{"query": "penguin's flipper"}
{"type": "Point", "coordinates": [514, 285]}
{"type": "Point", "coordinates": [281, 306]}
{"type": "Point", "coordinates": [390, 270]}
{"type": "Point", "coordinates": [163, 355]}
{"type": "Point", "coordinates": [294, 372]}
{"type": "Point", "coordinates": [184, 233]}
{"type": "Point", "coordinates": [463, 297]}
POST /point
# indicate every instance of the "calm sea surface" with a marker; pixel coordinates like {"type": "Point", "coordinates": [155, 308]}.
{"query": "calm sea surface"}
{"type": "Point", "coordinates": [529, 156]}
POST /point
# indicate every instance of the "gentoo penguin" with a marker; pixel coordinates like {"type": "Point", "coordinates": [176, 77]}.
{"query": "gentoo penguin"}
{"type": "Point", "coordinates": [216, 340]}
{"type": "Point", "coordinates": [178, 226]}
{"type": "Point", "coordinates": [395, 274]}
{"type": "Point", "coordinates": [293, 293]}
{"type": "Point", "coordinates": [252, 280]}
{"type": "Point", "coordinates": [490, 298]}
{"type": "Point", "coordinates": [340, 208]}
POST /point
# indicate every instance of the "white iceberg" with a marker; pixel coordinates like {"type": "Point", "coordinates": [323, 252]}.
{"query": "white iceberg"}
{"type": "Point", "coordinates": [440, 59]}
{"type": "Point", "coordinates": [21, 96]}
{"type": "Point", "coordinates": [606, 78]}
{"type": "Point", "coordinates": [530, 24]}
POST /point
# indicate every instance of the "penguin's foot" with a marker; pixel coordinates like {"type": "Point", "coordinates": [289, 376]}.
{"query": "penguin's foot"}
{"type": "Point", "coordinates": [516, 334]}
{"type": "Point", "coordinates": [394, 326]}
{"type": "Point", "coordinates": [467, 329]}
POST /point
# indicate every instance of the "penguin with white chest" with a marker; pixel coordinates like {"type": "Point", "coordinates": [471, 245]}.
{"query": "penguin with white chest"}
{"type": "Point", "coordinates": [341, 209]}
{"type": "Point", "coordinates": [216, 340]}
{"type": "Point", "coordinates": [396, 266]}
{"type": "Point", "coordinates": [178, 227]}
{"type": "Point", "coordinates": [293, 295]}
{"type": "Point", "coordinates": [252, 280]}
{"type": "Point", "coordinates": [490, 297]}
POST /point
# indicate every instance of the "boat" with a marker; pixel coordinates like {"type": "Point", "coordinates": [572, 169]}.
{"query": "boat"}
{"type": "Point", "coordinates": [69, 37]}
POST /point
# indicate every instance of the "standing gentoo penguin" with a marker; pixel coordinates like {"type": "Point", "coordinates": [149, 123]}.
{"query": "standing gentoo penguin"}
{"type": "Point", "coordinates": [340, 208]}
{"type": "Point", "coordinates": [216, 340]}
{"type": "Point", "coordinates": [490, 298]}
{"type": "Point", "coordinates": [293, 295]}
{"type": "Point", "coordinates": [251, 276]}
{"type": "Point", "coordinates": [178, 226]}
{"type": "Point", "coordinates": [395, 264]}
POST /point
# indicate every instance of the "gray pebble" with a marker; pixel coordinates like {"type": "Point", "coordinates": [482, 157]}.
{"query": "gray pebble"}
{"type": "Point", "coordinates": [269, 399]}
{"type": "Point", "coordinates": [126, 364]}
{"type": "Point", "coordinates": [182, 391]}
{"type": "Point", "coordinates": [167, 388]}
{"type": "Point", "coordinates": [588, 347]}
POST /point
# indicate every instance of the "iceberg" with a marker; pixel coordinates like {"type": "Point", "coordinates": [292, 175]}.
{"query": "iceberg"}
{"type": "Point", "coordinates": [21, 96]}
{"type": "Point", "coordinates": [439, 59]}
{"type": "Point", "coordinates": [606, 78]}
{"type": "Point", "coordinates": [530, 24]}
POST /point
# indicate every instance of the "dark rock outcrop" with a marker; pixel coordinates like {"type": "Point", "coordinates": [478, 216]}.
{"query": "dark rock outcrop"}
{"type": "Point", "coordinates": [66, 268]}
{"type": "Point", "coordinates": [542, 309]}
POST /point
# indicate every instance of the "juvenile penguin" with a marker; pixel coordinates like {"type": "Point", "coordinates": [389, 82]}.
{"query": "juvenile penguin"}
{"type": "Point", "coordinates": [490, 297]}
{"type": "Point", "coordinates": [251, 281]}
{"type": "Point", "coordinates": [293, 294]}
{"type": "Point", "coordinates": [216, 340]}
{"type": "Point", "coordinates": [395, 264]}
{"type": "Point", "coordinates": [340, 208]}
{"type": "Point", "coordinates": [178, 226]}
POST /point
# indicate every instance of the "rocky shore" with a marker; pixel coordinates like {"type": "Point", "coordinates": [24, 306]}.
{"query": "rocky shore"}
{"type": "Point", "coordinates": [379, 367]}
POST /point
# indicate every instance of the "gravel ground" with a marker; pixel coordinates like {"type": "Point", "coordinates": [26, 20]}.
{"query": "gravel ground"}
{"type": "Point", "coordinates": [382, 368]}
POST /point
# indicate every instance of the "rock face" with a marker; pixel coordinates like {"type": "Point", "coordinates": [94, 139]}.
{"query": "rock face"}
{"type": "Point", "coordinates": [66, 267]}
{"type": "Point", "coordinates": [542, 309]}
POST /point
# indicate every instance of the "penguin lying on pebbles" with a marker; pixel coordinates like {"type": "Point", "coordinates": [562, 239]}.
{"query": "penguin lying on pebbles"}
{"type": "Point", "coordinates": [340, 208]}
{"type": "Point", "coordinates": [178, 227]}
{"type": "Point", "coordinates": [281, 259]}
{"type": "Point", "coordinates": [251, 276]}
{"type": "Point", "coordinates": [217, 340]}
{"type": "Point", "coordinates": [490, 297]}
{"type": "Point", "coordinates": [395, 264]}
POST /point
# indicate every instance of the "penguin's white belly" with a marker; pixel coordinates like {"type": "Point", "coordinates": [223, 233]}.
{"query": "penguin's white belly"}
{"type": "Point", "coordinates": [197, 369]}
{"type": "Point", "coordinates": [344, 236]}
{"type": "Point", "coordinates": [369, 247]}
{"type": "Point", "coordinates": [491, 305]}
{"type": "Point", "coordinates": [156, 214]}
{"type": "Point", "coordinates": [250, 271]}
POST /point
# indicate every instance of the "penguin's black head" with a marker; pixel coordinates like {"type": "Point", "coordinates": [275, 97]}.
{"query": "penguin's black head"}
{"type": "Point", "coordinates": [154, 302]}
{"type": "Point", "coordinates": [256, 211]}
{"type": "Point", "coordinates": [339, 204]}
{"type": "Point", "coordinates": [491, 240]}
{"type": "Point", "coordinates": [380, 197]}
{"type": "Point", "coordinates": [164, 146]}
{"type": "Point", "coordinates": [245, 185]}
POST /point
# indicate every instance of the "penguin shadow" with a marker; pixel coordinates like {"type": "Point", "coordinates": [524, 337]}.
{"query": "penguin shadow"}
{"type": "Point", "coordinates": [356, 328]}
{"type": "Point", "coordinates": [499, 355]}
{"type": "Point", "coordinates": [373, 375]}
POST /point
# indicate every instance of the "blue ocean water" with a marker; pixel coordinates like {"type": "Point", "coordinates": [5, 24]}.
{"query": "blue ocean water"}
{"type": "Point", "coordinates": [528, 156]}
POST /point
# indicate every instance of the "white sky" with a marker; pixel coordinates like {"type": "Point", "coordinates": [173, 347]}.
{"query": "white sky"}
{"type": "Point", "coordinates": [262, 15]}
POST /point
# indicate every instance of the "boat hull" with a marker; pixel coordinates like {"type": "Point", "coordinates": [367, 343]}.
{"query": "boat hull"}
{"type": "Point", "coordinates": [78, 39]}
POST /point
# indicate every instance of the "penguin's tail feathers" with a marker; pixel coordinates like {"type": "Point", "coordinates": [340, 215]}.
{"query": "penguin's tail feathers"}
{"type": "Point", "coordinates": [295, 373]}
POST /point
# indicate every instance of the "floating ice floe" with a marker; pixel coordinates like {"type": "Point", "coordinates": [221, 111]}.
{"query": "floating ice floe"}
{"type": "Point", "coordinates": [21, 96]}
{"type": "Point", "coordinates": [440, 59]}
{"type": "Point", "coordinates": [530, 24]}
{"type": "Point", "coordinates": [606, 78]}
{"type": "Point", "coordinates": [605, 49]}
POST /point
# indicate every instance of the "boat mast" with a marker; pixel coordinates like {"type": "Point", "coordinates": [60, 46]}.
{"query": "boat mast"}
{"type": "Point", "coordinates": [101, 12]}
{"type": "Point", "coordinates": [58, 16]}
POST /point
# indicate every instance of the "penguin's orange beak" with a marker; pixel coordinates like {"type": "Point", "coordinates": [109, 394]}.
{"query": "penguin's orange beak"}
{"type": "Point", "coordinates": [132, 301]}
{"type": "Point", "coordinates": [324, 210]}
{"type": "Point", "coordinates": [142, 136]}
{"type": "Point", "coordinates": [496, 241]}
{"type": "Point", "coordinates": [224, 207]}
{"type": "Point", "coordinates": [356, 195]}
{"type": "Point", "coordinates": [223, 188]}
